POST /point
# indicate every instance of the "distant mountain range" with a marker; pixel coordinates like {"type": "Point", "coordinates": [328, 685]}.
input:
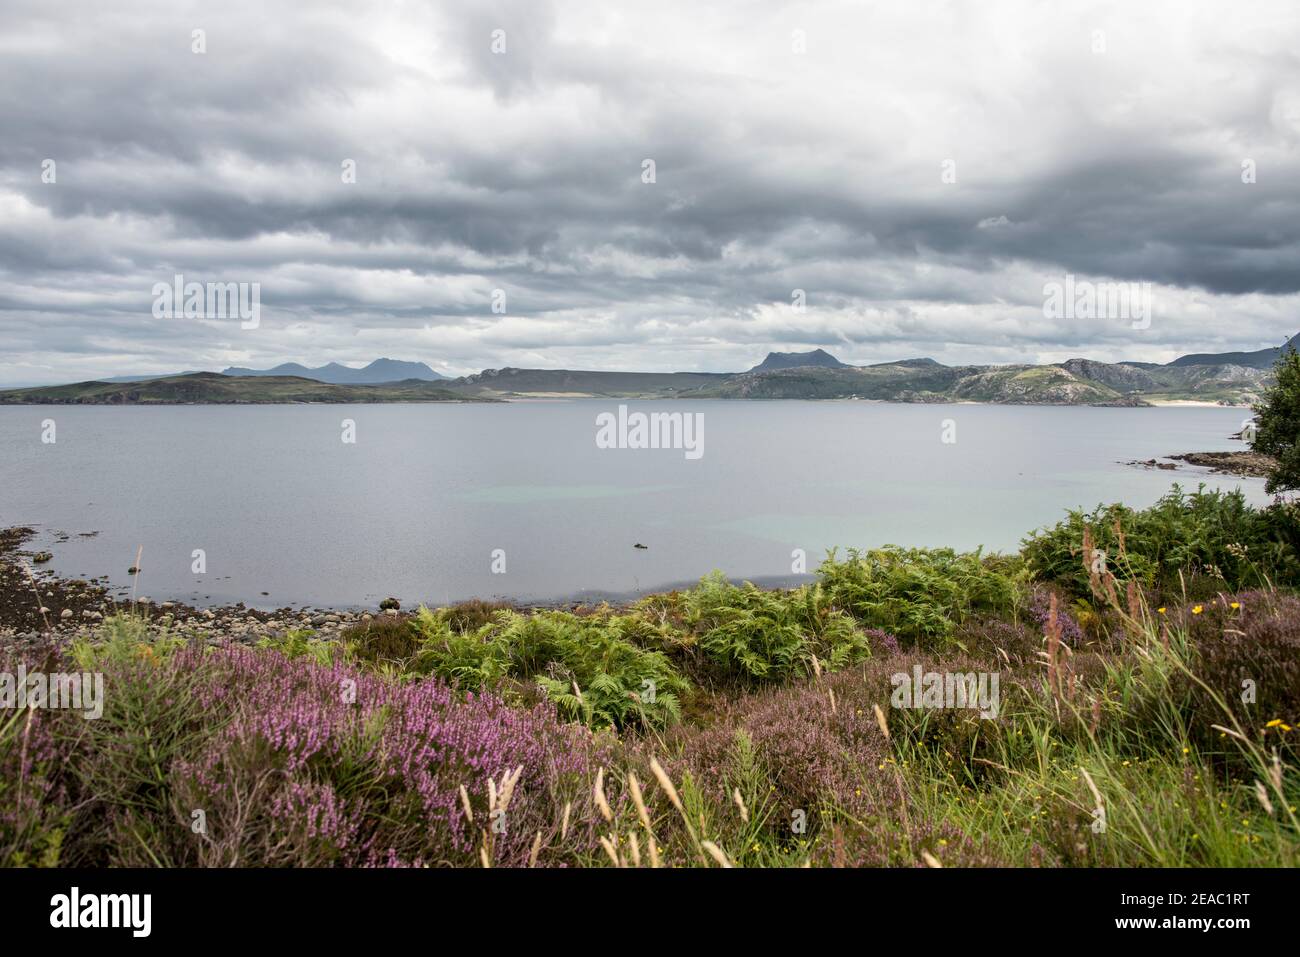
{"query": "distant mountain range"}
{"type": "Point", "coordinates": [819, 375]}
{"type": "Point", "coordinates": [381, 370]}
{"type": "Point", "coordinates": [1230, 378]}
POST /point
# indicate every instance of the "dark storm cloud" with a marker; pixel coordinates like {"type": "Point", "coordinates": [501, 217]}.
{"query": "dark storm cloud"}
{"type": "Point", "coordinates": [521, 170]}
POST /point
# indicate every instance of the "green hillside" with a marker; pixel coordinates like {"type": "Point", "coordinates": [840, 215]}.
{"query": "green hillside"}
{"type": "Point", "coordinates": [522, 382]}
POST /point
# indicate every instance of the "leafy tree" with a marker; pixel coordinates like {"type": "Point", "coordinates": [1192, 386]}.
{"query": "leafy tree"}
{"type": "Point", "coordinates": [1277, 425]}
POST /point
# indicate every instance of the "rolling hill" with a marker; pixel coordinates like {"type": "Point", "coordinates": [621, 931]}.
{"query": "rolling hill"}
{"type": "Point", "coordinates": [1259, 359]}
{"type": "Point", "coordinates": [926, 382]}
{"type": "Point", "coordinates": [565, 382]}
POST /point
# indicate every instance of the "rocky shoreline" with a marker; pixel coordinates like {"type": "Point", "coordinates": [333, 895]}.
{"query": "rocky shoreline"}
{"type": "Point", "coordinates": [37, 607]}
{"type": "Point", "coordinates": [1241, 464]}
{"type": "Point", "coordinates": [1245, 464]}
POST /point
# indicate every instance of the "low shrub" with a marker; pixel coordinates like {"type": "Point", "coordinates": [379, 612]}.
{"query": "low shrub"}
{"type": "Point", "coordinates": [1245, 652]}
{"type": "Point", "coordinates": [386, 639]}
{"type": "Point", "coordinates": [474, 614]}
{"type": "Point", "coordinates": [1205, 533]}
{"type": "Point", "coordinates": [920, 594]}
{"type": "Point", "coordinates": [237, 756]}
{"type": "Point", "coordinates": [593, 667]}
{"type": "Point", "coordinates": [35, 807]}
{"type": "Point", "coordinates": [342, 767]}
{"type": "Point", "coordinates": [817, 760]}
{"type": "Point", "coordinates": [752, 635]}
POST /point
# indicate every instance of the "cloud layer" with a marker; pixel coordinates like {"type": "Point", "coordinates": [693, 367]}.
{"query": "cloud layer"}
{"type": "Point", "coordinates": [801, 146]}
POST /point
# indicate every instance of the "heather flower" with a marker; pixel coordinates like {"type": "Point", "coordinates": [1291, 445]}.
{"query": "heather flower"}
{"type": "Point", "coordinates": [347, 765]}
{"type": "Point", "coordinates": [1039, 612]}
{"type": "Point", "coordinates": [878, 636]}
{"type": "Point", "coordinates": [294, 762]}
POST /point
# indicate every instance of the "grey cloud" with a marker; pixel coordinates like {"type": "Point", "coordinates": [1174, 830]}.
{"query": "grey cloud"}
{"type": "Point", "coordinates": [522, 171]}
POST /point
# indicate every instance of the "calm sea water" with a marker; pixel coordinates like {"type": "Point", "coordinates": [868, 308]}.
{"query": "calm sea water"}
{"type": "Point", "coordinates": [419, 504]}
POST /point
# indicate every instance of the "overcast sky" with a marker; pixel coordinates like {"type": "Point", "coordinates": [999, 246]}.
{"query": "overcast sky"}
{"type": "Point", "coordinates": [1114, 156]}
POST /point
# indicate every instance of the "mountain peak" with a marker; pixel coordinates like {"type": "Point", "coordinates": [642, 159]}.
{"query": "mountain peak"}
{"type": "Point", "coordinates": [794, 360]}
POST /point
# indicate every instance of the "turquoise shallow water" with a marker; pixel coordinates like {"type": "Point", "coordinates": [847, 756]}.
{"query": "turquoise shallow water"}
{"type": "Point", "coordinates": [429, 495]}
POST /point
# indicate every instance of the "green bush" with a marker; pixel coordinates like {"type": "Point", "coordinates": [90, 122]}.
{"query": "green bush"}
{"type": "Point", "coordinates": [920, 594]}
{"type": "Point", "coordinates": [474, 613]}
{"type": "Point", "coordinates": [1209, 533]}
{"type": "Point", "coordinates": [388, 639]}
{"type": "Point", "coordinates": [757, 635]}
{"type": "Point", "coordinates": [593, 667]}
